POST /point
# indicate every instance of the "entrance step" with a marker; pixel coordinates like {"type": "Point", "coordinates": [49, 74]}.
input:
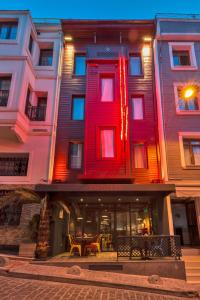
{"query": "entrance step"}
{"type": "Point", "coordinates": [190, 251]}
{"type": "Point", "coordinates": [192, 268]}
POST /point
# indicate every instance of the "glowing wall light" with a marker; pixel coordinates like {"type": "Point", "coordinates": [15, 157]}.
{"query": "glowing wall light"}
{"type": "Point", "coordinates": [147, 38]}
{"type": "Point", "coordinates": [68, 38]}
{"type": "Point", "coordinates": [146, 50]}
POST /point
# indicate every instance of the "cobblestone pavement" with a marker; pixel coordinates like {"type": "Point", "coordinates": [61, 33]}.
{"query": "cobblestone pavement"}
{"type": "Point", "coordinates": [18, 289]}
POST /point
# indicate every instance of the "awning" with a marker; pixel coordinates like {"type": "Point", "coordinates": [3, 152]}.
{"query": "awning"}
{"type": "Point", "coordinates": [188, 191]}
{"type": "Point", "coordinates": [140, 189]}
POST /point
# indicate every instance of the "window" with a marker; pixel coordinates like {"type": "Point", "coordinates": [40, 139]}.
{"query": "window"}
{"type": "Point", "coordinates": [139, 156]}
{"type": "Point", "coordinates": [78, 108]}
{"type": "Point", "coordinates": [191, 152]}
{"type": "Point", "coordinates": [4, 90]}
{"type": "Point", "coordinates": [15, 164]}
{"type": "Point", "coordinates": [135, 65]}
{"type": "Point", "coordinates": [75, 155]}
{"type": "Point", "coordinates": [107, 143]}
{"type": "Point", "coordinates": [182, 56]}
{"type": "Point", "coordinates": [10, 214]}
{"type": "Point", "coordinates": [107, 89]}
{"type": "Point", "coordinates": [137, 108]}
{"type": "Point", "coordinates": [8, 30]}
{"type": "Point", "coordinates": [46, 57]}
{"type": "Point", "coordinates": [187, 105]}
{"type": "Point", "coordinates": [30, 45]}
{"type": "Point", "coordinates": [79, 64]}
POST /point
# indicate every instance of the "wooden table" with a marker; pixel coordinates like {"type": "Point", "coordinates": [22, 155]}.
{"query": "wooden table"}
{"type": "Point", "coordinates": [84, 241]}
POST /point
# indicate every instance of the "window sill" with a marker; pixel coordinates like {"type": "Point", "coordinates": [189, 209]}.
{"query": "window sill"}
{"type": "Point", "coordinates": [44, 68]}
{"type": "Point", "coordinates": [191, 168]}
{"type": "Point", "coordinates": [184, 68]}
{"type": "Point", "coordinates": [78, 76]}
{"type": "Point", "coordinates": [188, 113]}
{"type": "Point", "coordinates": [9, 42]}
{"type": "Point", "coordinates": [136, 76]}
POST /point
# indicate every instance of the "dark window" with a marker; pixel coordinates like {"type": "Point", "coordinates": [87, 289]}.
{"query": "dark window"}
{"type": "Point", "coordinates": [4, 90]}
{"type": "Point", "coordinates": [46, 57]}
{"type": "Point", "coordinates": [35, 113]}
{"type": "Point", "coordinates": [75, 155]}
{"type": "Point", "coordinates": [139, 156]}
{"type": "Point", "coordinates": [79, 64]}
{"type": "Point", "coordinates": [191, 152]}
{"type": "Point", "coordinates": [135, 65]}
{"type": "Point", "coordinates": [28, 101]}
{"type": "Point", "coordinates": [10, 214]}
{"type": "Point", "coordinates": [78, 108]}
{"type": "Point", "coordinates": [188, 105]}
{"type": "Point", "coordinates": [181, 57]}
{"type": "Point", "coordinates": [8, 30]}
{"type": "Point", "coordinates": [30, 45]}
{"type": "Point", "coordinates": [15, 164]}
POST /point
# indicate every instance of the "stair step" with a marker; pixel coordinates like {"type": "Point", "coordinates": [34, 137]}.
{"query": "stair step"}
{"type": "Point", "coordinates": [193, 270]}
{"type": "Point", "coordinates": [191, 252]}
{"type": "Point", "coordinates": [193, 282]}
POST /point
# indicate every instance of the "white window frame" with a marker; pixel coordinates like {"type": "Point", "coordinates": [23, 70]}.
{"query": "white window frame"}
{"type": "Point", "coordinates": [186, 47]}
{"type": "Point", "coordinates": [184, 112]}
{"type": "Point", "coordinates": [189, 135]}
{"type": "Point", "coordinates": [133, 110]}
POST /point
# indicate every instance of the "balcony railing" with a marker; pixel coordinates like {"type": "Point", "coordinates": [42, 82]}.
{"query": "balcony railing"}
{"type": "Point", "coordinates": [147, 247]}
{"type": "Point", "coordinates": [14, 165]}
{"type": "Point", "coordinates": [4, 97]}
{"type": "Point", "coordinates": [36, 113]}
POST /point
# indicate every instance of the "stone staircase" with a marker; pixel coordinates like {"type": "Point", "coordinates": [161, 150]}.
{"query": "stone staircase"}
{"type": "Point", "coordinates": [191, 256]}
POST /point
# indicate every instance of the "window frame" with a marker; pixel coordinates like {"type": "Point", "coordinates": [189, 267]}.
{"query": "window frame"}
{"type": "Point", "coordinates": [45, 49]}
{"type": "Point", "coordinates": [132, 107]}
{"type": "Point", "coordinates": [191, 136]}
{"type": "Point", "coordinates": [184, 46]}
{"type": "Point", "coordinates": [9, 22]}
{"type": "Point", "coordinates": [69, 154]}
{"type": "Point", "coordinates": [136, 54]}
{"type": "Point", "coordinates": [99, 150]}
{"type": "Point", "coordinates": [136, 143]}
{"type": "Point", "coordinates": [107, 76]}
{"type": "Point", "coordinates": [176, 96]}
{"type": "Point", "coordinates": [76, 54]}
{"type": "Point", "coordinates": [15, 155]}
{"type": "Point", "coordinates": [5, 76]}
{"type": "Point", "coordinates": [72, 108]}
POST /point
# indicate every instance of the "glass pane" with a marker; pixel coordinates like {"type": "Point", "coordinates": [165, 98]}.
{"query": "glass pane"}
{"type": "Point", "coordinates": [192, 104]}
{"type": "Point", "coordinates": [4, 32]}
{"type": "Point", "coordinates": [13, 32]}
{"type": "Point", "coordinates": [187, 154]}
{"type": "Point", "coordinates": [140, 156]}
{"type": "Point", "coordinates": [46, 57]}
{"type": "Point", "coordinates": [181, 58]}
{"type": "Point", "coordinates": [107, 90]}
{"type": "Point", "coordinates": [5, 84]}
{"type": "Point", "coordinates": [75, 156]}
{"type": "Point", "coordinates": [107, 143]}
{"type": "Point", "coordinates": [137, 108]}
{"type": "Point", "coordinates": [80, 65]}
{"type": "Point", "coordinates": [196, 153]}
{"type": "Point", "coordinates": [78, 108]}
{"type": "Point", "coordinates": [135, 65]}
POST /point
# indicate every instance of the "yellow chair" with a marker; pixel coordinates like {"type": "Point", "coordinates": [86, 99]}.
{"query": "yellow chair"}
{"type": "Point", "coordinates": [74, 245]}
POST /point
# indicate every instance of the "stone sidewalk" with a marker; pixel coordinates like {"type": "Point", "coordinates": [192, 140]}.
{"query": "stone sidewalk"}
{"type": "Point", "coordinates": [27, 289]}
{"type": "Point", "coordinates": [97, 279]}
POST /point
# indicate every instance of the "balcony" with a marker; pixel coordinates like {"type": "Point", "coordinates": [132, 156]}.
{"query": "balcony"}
{"type": "Point", "coordinates": [4, 94]}
{"type": "Point", "coordinates": [36, 113]}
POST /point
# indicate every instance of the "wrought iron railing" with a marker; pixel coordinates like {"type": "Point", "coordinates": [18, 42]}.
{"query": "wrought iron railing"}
{"type": "Point", "coordinates": [14, 166]}
{"type": "Point", "coordinates": [148, 247]}
{"type": "Point", "coordinates": [4, 97]}
{"type": "Point", "coordinates": [36, 113]}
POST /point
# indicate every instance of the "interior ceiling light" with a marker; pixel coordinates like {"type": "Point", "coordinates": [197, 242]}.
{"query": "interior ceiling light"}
{"type": "Point", "coordinates": [80, 218]}
{"type": "Point", "coordinates": [189, 92]}
{"type": "Point", "coordinates": [81, 199]}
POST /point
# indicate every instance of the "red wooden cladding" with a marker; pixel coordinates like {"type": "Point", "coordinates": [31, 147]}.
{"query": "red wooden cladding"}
{"type": "Point", "coordinates": [103, 115]}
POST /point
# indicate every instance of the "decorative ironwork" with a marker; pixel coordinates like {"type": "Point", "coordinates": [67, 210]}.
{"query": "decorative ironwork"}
{"type": "Point", "coordinates": [148, 247]}
{"type": "Point", "coordinates": [4, 97]}
{"type": "Point", "coordinates": [36, 113]}
{"type": "Point", "coordinates": [14, 165]}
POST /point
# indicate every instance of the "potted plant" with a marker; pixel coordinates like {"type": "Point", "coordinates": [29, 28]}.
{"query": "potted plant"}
{"type": "Point", "coordinates": [28, 247]}
{"type": "Point", "coordinates": [42, 250]}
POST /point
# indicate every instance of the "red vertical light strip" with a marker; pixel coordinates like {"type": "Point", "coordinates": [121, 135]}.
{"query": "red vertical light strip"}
{"type": "Point", "coordinates": [121, 97]}
{"type": "Point", "coordinates": [125, 100]}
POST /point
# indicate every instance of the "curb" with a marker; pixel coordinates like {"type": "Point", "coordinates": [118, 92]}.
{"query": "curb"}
{"type": "Point", "coordinates": [186, 294]}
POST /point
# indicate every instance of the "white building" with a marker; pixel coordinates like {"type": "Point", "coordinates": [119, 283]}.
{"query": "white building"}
{"type": "Point", "coordinates": [30, 71]}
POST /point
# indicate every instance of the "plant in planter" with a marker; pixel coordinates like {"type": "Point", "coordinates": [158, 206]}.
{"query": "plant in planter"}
{"type": "Point", "coordinates": [28, 247]}
{"type": "Point", "coordinates": [42, 250]}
